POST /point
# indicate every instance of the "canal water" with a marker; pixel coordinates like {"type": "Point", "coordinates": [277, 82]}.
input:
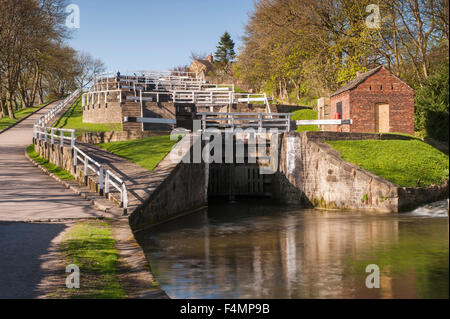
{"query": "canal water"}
{"type": "Point", "coordinates": [253, 250]}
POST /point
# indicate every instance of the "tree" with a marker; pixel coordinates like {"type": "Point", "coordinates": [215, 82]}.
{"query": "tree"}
{"type": "Point", "coordinates": [28, 31]}
{"type": "Point", "coordinates": [432, 105]}
{"type": "Point", "coordinates": [225, 53]}
{"type": "Point", "coordinates": [86, 69]}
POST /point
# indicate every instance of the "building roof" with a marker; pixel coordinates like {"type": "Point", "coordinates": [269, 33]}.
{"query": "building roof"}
{"type": "Point", "coordinates": [206, 65]}
{"type": "Point", "coordinates": [357, 81]}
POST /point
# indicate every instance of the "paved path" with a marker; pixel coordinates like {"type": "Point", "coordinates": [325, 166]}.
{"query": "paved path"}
{"type": "Point", "coordinates": [26, 195]}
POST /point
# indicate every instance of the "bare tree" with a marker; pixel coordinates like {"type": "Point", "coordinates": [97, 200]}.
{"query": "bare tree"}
{"type": "Point", "coordinates": [87, 68]}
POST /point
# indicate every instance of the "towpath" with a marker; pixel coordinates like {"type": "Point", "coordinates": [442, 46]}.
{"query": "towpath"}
{"type": "Point", "coordinates": [28, 200]}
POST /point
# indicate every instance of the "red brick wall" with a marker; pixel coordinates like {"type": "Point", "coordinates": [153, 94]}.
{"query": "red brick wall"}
{"type": "Point", "coordinates": [380, 88]}
{"type": "Point", "coordinates": [345, 99]}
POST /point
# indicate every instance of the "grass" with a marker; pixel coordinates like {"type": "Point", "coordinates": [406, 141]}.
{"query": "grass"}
{"type": "Point", "coordinates": [306, 115]}
{"type": "Point", "coordinates": [73, 119]}
{"type": "Point", "coordinates": [58, 171]}
{"type": "Point", "coordinates": [147, 152]}
{"type": "Point", "coordinates": [6, 122]}
{"type": "Point", "coordinates": [90, 246]}
{"type": "Point", "coordinates": [409, 163]}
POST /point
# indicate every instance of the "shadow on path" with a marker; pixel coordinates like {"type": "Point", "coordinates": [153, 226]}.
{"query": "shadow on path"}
{"type": "Point", "coordinates": [22, 247]}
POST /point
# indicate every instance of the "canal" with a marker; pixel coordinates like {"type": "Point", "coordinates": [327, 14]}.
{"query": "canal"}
{"type": "Point", "coordinates": [256, 250]}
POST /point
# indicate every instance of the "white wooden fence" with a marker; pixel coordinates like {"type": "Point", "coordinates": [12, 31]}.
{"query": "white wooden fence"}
{"type": "Point", "coordinates": [57, 136]}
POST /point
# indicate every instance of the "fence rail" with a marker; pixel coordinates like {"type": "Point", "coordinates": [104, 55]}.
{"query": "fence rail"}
{"type": "Point", "coordinates": [107, 178]}
{"type": "Point", "coordinates": [259, 121]}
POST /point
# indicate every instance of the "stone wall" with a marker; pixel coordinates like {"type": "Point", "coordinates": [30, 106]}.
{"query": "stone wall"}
{"type": "Point", "coordinates": [184, 190]}
{"type": "Point", "coordinates": [312, 171]}
{"type": "Point", "coordinates": [63, 158]}
{"type": "Point", "coordinates": [110, 112]}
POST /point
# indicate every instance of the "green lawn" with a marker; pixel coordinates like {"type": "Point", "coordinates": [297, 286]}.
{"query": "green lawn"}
{"type": "Point", "coordinates": [90, 246]}
{"type": "Point", "coordinates": [73, 119]}
{"type": "Point", "coordinates": [6, 122]}
{"type": "Point", "coordinates": [147, 152]}
{"type": "Point", "coordinates": [58, 171]}
{"type": "Point", "coordinates": [407, 163]}
{"type": "Point", "coordinates": [306, 115]}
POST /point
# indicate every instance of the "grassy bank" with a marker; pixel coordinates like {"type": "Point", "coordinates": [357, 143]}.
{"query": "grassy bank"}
{"type": "Point", "coordinates": [306, 115]}
{"type": "Point", "coordinates": [407, 163]}
{"type": "Point", "coordinates": [58, 171]}
{"type": "Point", "coordinates": [90, 246]}
{"type": "Point", "coordinates": [73, 119]}
{"type": "Point", "coordinates": [147, 152]}
{"type": "Point", "coordinates": [7, 122]}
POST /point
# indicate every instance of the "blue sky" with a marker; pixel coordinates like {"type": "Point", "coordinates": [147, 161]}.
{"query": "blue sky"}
{"type": "Point", "coordinates": [155, 34]}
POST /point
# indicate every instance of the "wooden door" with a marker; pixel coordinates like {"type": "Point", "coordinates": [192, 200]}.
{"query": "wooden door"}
{"type": "Point", "coordinates": [382, 123]}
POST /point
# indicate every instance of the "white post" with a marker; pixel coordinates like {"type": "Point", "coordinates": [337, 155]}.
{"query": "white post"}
{"type": "Point", "coordinates": [100, 182]}
{"type": "Point", "coordinates": [107, 183]}
{"type": "Point", "coordinates": [53, 136]}
{"type": "Point", "coordinates": [72, 141]}
{"type": "Point", "coordinates": [75, 159]}
{"type": "Point", "coordinates": [86, 170]}
{"type": "Point", "coordinates": [61, 137]}
{"type": "Point", "coordinates": [124, 199]}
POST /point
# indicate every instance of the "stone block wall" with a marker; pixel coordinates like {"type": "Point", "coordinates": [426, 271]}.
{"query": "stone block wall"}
{"type": "Point", "coordinates": [313, 171]}
{"type": "Point", "coordinates": [109, 112]}
{"type": "Point", "coordinates": [184, 189]}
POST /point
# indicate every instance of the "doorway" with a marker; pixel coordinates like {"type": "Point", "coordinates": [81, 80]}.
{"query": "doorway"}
{"type": "Point", "coordinates": [382, 123]}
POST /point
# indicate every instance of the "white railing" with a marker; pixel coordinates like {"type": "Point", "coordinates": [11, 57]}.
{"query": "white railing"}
{"type": "Point", "coordinates": [259, 121]}
{"type": "Point", "coordinates": [96, 168]}
{"type": "Point", "coordinates": [50, 115]}
{"type": "Point", "coordinates": [95, 97]}
{"type": "Point", "coordinates": [154, 75]}
{"type": "Point", "coordinates": [52, 134]}
{"type": "Point", "coordinates": [119, 185]}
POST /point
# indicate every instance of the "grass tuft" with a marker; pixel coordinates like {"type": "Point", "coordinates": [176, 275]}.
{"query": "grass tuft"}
{"type": "Point", "coordinates": [90, 246]}
{"type": "Point", "coordinates": [58, 171]}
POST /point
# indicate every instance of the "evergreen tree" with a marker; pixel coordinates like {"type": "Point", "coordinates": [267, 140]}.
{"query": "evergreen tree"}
{"type": "Point", "coordinates": [225, 51]}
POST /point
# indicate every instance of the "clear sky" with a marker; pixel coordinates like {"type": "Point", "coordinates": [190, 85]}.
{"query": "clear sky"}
{"type": "Point", "coordinates": [155, 34]}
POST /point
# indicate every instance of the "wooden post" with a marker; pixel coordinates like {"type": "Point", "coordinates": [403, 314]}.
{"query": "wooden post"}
{"type": "Point", "coordinates": [106, 184]}
{"type": "Point", "coordinates": [100, 182]}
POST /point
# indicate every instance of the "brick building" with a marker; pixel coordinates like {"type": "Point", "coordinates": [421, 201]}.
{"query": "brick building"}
{"type": "Point", "coordinates": [377, 102]}
{"type": "Point", "coordinates": [202, 68]}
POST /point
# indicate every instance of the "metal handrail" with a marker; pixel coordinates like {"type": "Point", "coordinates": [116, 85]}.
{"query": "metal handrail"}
{"type": "Point", "coordinates": [246, 120]}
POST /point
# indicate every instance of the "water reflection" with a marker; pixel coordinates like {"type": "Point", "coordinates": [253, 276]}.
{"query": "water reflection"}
{"type": "Point", "coordinates": [258, 251]}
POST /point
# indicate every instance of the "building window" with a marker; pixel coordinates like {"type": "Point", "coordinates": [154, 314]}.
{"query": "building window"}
{"type": "Point", "coordinates": [339, 109]}
{"type": "Point", "coordinates": [381, 87]}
